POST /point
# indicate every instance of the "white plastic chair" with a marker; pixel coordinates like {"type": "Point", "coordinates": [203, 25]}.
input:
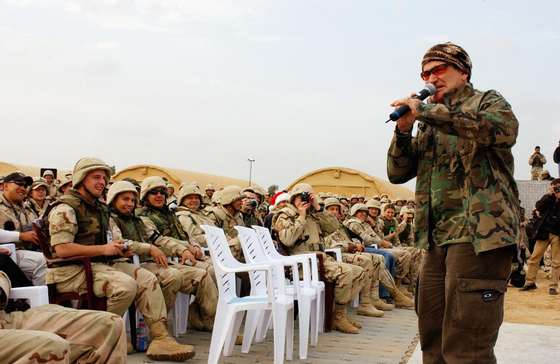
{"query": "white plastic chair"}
{"type": "Point", "coordinates": [36, 295]}
{"type": "Point", "coordinates": [317, 325]}
{"type": "Point", "coordinates": [299, 290]}
{"type": "Point", "coordinates": [231, 307]}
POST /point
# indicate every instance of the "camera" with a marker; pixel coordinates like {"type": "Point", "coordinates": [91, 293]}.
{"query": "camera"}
{"type": "Point", "coordinates": [253, 204]}
{"type": "Point", "coordinates": [556, 189]}
{"type": "Point", "coordinates": [305, 197]}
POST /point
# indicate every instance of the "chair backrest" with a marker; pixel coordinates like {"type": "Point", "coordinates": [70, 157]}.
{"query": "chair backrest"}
{"type": "Point", "coordinates": [251, 245]}
{"type": "Point", "coordinates": [268, 247]}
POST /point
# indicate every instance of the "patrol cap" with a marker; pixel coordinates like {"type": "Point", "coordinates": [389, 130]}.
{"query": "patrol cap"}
{"type": "Point", "coordinates": [149, 184]}
{"type": "Point", "coordinates": [373, 203]}
{"type": "Point", "coordinates": [18, 177]}
{"type": "Point", "coordinates": [38, 183]}
{"type": "Point", "coordinates": [86, 165]}
{"type": "Point", "coordinates": [358, 207]}
{"type": "Point", "coordinates": [332, 201]}
{"type": "Point", "coordinates": [228, 195]}
{"type": "Point", "coordinates": [120, 187]}
{"type": "Point", "coordinates": [189, 189]}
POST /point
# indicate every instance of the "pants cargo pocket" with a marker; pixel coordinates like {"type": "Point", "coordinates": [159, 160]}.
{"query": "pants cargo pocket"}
{"type": "Point", "coordinates": [479, 303]}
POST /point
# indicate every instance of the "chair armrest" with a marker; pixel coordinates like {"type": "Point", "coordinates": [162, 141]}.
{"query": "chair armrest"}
{"type": "Point", "coordinates": [37, 295]}
{"type": "Point", "coordinates": [337, 253]}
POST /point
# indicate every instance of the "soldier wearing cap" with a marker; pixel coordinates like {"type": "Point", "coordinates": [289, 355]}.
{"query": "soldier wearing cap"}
{"type": "Point", "coordinates": [354, 199]}
{"type": "Point", "coordinates": [48, 176]}
{"type": "Point", "coordinates": [406, 226]}
{"type": "Point", "coordinates": [300, 227]}
{"type": "Point", "coordinates": [55, 334]}
{"type": "Point", "coordinates": [251, 202]}
{"type": "Point", "coordinates": [190, 213]}
{"type": "Point", "coordinates": [537, 160]}
{"type": "Point", "coordinates": [468, 207]}
{"type": "Point", "coordinates": [227, 215]}
{"type": "Point", "coordinates": [79, 225]}
{"type": "Point", "coordinates": [15, 215]}
{"type": "Point", "coordinates": [122, 199]}
{"type": "Point", "coordinates": [37, 200]}
{"type": "Point", "coordinates": [208, 193]}
{"type": "Point", "coordinates": [171, 201]}
{"type": "Point", "coordinates": [353, 252]}
{"type": "Point", "coordinates": [65, 184]}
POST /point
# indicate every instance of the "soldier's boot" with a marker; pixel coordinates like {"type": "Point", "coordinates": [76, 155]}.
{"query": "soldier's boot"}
{"type": "Point", "coordinates": [196, 321]}
{"type": "Point", "coordinates": [398, 284]}
{"type": "Point", "coordinates": [378, 302]}
{"type": "Point", "coordinates": [164, 347]}
{"type": "Point", "coordinates": [355, 323]}
{"type": "Point", "coordinates": [401, 301]}
{"type": "Point", "coordinates": [366, 308]}
{"type": "Point", "coordinates": [341, 322]}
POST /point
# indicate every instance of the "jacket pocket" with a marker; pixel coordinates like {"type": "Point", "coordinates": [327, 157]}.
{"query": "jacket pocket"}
{"type": "Point", "coordinates": [479, 303]}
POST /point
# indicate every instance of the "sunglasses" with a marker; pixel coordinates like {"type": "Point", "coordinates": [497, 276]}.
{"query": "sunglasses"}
{"type": "Point", "coordinates": [436, 71]}
{"type": "Point", "coordinates": [161, 191]}
{"type": "Point", "coordinates": [20, 184]}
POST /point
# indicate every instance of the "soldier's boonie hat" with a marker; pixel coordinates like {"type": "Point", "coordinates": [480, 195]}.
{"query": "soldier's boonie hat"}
{"type": "Point", "coordinates": [86, 165]}
{"type": "Point", "coordinates": [186, 190]}
{"type": "Point", "coordinates": [38, 183]}
{"type": "Point", "coordinates": [449, 53]}
{"type": "Point", "coordinates": [120, 187]}
{"type": "Point", "coordinates": [149, 184]}
{"type": "Point", "coordinates": [373, 203]}
{"type": "Point", "coordinates": [358, 207]}
{"type": "Point", "coordinates": [48, 172]}
{"type": "Point", "coordinates": [300, 188]}
{"type": "Point", "coordinates": [229, 194]}
{"type": "Point", "coordinates": [332, 201]}
{"type": "Point", "coordinates": [18, 177]}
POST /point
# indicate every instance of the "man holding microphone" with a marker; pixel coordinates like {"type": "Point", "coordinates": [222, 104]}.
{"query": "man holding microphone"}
{"type": "Point", "coordinates": [467, 209]}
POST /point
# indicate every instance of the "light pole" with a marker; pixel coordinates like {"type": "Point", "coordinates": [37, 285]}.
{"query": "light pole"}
{"type": "Point", "coordinates": [251, 161]}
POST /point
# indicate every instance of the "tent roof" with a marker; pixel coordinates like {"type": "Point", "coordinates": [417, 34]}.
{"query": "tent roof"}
{"type": "Point", "coordinates": [177, 176]}
{"type": "Point", "coordinates": [347, 181]}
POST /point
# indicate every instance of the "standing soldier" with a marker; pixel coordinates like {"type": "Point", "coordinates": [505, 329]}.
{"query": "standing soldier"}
{"type": "Point", "coordinates": [52, 192]}
{"type": "Point", "coordinates": [467, 214]}
{"type": "Point", "coordinates": [208, 193]}
{"type": "Point", "coordinates": [55, 334]}
{"type": "Point", "coordinates": [79, 225]}
{"type": "Point", "coordinates": [536, 161]}
{"type": "Point", "coordinates": [17, 216]}
{"type": "Point", "coordinates": [300, 227]}
{"type": "Point", "coordinates": [191, 215]}
{"type": "Point", "coordinates": [122, 199]}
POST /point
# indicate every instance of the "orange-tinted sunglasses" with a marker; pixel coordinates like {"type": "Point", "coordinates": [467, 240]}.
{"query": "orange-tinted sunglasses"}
{"type": "Point", "coordinates": [436, 71]}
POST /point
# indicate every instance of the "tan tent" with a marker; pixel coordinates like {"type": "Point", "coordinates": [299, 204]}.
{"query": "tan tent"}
{"type": "Point", "coordinates": [347, 182]}
{"type": "Point", "coordinates": [7, 168]}
{"type": "Point", "coordinates": [177, 176]}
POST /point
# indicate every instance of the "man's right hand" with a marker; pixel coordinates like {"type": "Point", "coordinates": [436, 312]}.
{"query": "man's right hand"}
{"type": "Point", "coordinates": [29, 236]}
{"type": "Point", "coordinates": [113, 248]}
{"type": "Point", "coordinates": [302, 208]}
{"type": "Point", "coordinates": [385, 244]}
{"type": "Point", "coordinates": [4, 251]}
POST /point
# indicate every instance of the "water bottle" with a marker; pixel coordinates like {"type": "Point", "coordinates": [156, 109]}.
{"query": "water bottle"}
{"type": "Point", "coordinates": [141, 335]}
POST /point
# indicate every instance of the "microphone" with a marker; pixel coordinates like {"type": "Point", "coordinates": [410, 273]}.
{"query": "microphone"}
{"type": "Point", "coordinates": [428, 90]}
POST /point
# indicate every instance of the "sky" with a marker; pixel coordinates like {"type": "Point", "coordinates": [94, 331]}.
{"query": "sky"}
{"type": "Point", "coordinates": [296, 85]}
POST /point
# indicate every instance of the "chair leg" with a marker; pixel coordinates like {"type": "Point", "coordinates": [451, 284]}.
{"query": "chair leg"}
{"type": "Point", "coordinates": [253, 319]}
{"type": "Point", "coordinates": [290, 335]}
{"type": "Point", "coordinates": [263, 326]}
{"type": "Point", "coordinates": [222, 325]}
{"type": "Point", "coordinates": [304, 304]}
{"type": "Point", "coordinates": [279, 317]}
{"type": "Point", "coordinates": [230, 339]}
{"type": "Point", "coordinates": [314, 322]}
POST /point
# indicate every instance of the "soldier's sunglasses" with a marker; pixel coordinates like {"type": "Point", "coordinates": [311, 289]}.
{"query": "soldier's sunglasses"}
{"type": "Point", "coordinates": [436, 71]}
{"type": "Point", "coordinates": [161, 191]}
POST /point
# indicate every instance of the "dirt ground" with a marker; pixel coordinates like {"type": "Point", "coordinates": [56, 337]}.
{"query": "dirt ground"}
{"type": "Point", "coordinates": [533, 307]}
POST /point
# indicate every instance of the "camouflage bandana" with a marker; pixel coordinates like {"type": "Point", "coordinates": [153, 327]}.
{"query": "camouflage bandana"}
{"type": "Point", "coordinates": [449, 53]}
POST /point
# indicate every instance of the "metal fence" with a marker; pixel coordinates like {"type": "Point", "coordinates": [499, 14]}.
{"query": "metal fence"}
{"type": "Point", "coordinates": [530, 192]}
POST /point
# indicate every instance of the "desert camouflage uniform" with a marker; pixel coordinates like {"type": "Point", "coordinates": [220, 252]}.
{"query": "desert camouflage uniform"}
{"type": "Point", "coordinates": [55, 334]}
{"type": "Point", "coordinates": [191, 221]}
{"type": "Point", "coordinates": [177, 277]}
{"type": "Point", "coordinates": [34, 206]}
{"type": "Point", "coordinates": [305, 235]}
{"type": "Point", "coordinates": [536, 161]}
{"type": "Point", "coordinates": [221, 218]}
{"type": "Point", "coordinates": [117, 279]}
{"type": "Point", "coordinates": [31, 261]}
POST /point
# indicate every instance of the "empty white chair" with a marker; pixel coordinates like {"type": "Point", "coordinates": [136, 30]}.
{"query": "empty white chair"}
{"type": "Point", "coordinates": [36, 295]}
{"type": "Point", "coordinates": [309, 261]}
{"type": "Point", "coordinates": [231, 307]}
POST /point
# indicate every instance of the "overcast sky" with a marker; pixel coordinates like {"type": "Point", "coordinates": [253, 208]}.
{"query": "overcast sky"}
{"type": "Point", "coordinates": [296, 85]}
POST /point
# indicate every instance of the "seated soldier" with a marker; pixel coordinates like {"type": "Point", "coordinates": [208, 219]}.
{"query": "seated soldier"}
{"type": "Point", "coordinates": [190, 213]}
{"type": "Point", "coordinates": [65, 184]}
{"type": "Point", "coordinates": [406, 226]}
{"type": "Point", "coordinates": [55, 334]}
{"type": "Point", "coordinates": [15, 215]}
{"type": "Point", "coordinates": [359, 228]}
{"type": "Point", "coordinates": [208, 193]}
{"type": "Point", "coordinates": [354, 253]}
{"type": "Point", "coordinates": [37, 197]}
{"type": "Point", "coordinates": [299, 227]}
{"type": "Point", "coordinates": [251, 203]}
{"type": "Point", "coordinates": [196, 269]}
{"type": "Point", "coordinates": [79, 226]}
{"type": "Point", "coordinates": [171, 201]}
{"type": "Point", "coordinates": [48, 176]}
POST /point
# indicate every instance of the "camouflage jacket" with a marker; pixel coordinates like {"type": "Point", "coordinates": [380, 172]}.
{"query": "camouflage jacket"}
{"type": "Point", "coordinates": [537, 160]}
{"type": "Point", "coordinates": [362, 231]}
{"type": "Point", "coordinates": [461, 156]}
{"type": "Point", "coordinates": [17, 218]}
{"type": "Point", "coordinates": [5, 286]}
{"type": "Point", "coordinates": [299, 234]}
{"type": "Point", "coordinates": [221, 218]}
{"type": "Point", "coordinates": [340, 239]}
{"type": "Point", "coordinates": [191, 221]}
{"type": "Point", "coordinates": [389, 227]}
{"type": "Point", "coordinates": [406, 234]}
{"type": "Point", "coordinates": [33, 205]}
{"type": "Point", "coordinates": [165, 221]}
